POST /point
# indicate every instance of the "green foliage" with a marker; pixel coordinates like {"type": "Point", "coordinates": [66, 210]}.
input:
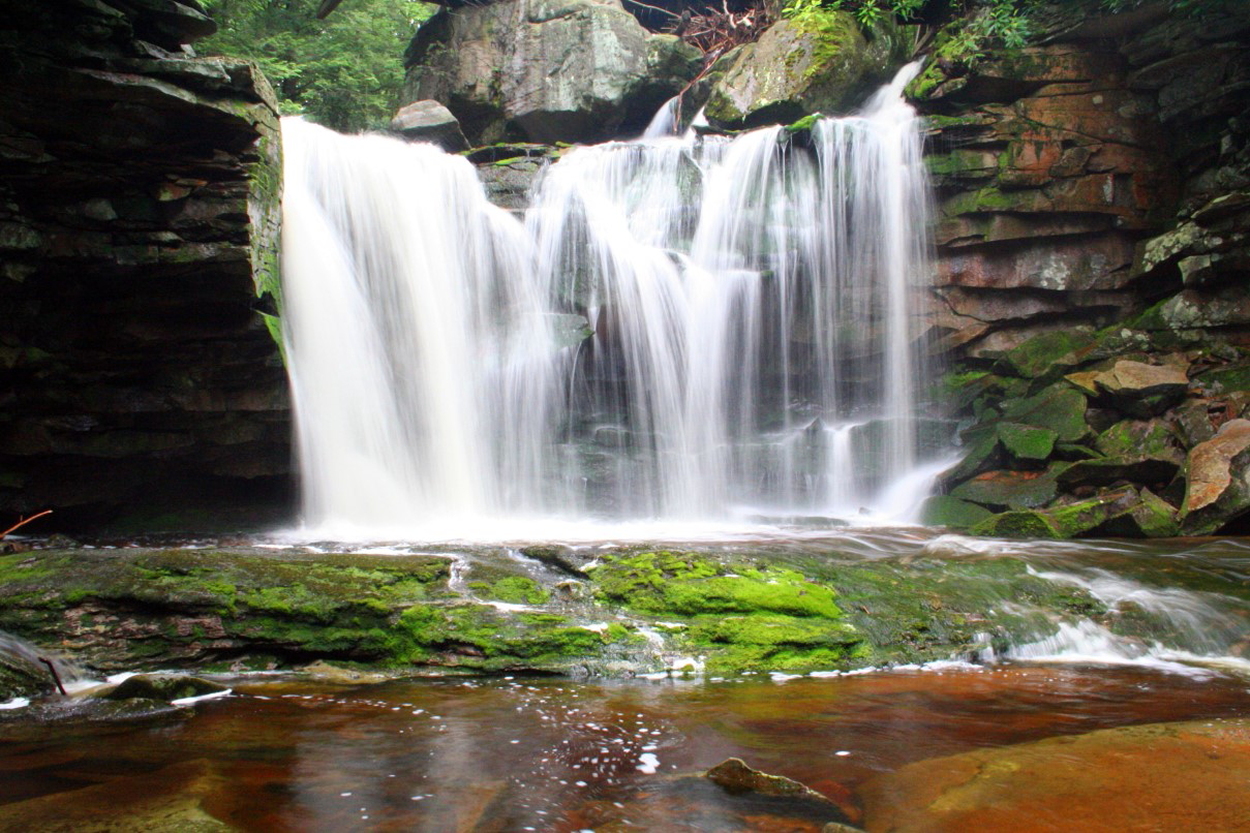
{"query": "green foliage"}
{"type": "Point", "coordinates": [344, 72]}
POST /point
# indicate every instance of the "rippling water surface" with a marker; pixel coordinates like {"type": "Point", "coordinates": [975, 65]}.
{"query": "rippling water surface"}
{"type": "Point", "coordinates": [552, 754]}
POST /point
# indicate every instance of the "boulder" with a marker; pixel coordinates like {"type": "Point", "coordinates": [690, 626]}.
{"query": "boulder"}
{"type": "Point", "coordinates": [165, 687]}
{"type": "Point", "coordinates": [820, 62]}
{"type": "Point", "coordinates": [546, 70]}
{"type": "Point", "coordinates": [1131, 440]}
{"type": "Point", "coordinates": [1012, 489]}
{"type": "Point", "coordinates": [1218, 489]}
{"type": "Point", "coordinates": [1026, 444]}
{"type": "Point", "coordinates": [951, 512]}
{"type": "Point", "coordinates": [1141, 389]}
{"type": "Point", "coordinates": [429, 121]}
{"type": "Point", "coordinates": [1059, 408]}
{"type": "Point", "coordinates": [735, 776]}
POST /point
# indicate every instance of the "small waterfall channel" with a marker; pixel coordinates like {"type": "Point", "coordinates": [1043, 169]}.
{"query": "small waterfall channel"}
{"type": "Point", "coordinates": [680, 328]}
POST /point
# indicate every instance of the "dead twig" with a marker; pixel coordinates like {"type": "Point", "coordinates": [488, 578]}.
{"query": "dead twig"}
{"type": "Point", "coordinates": [25, 521]}
{"type": "Point", "coordinates": [56, 678]}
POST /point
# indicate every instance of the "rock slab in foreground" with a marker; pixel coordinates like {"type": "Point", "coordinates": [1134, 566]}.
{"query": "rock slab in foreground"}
{"type": "Point", "coordinates": [1134, 778]}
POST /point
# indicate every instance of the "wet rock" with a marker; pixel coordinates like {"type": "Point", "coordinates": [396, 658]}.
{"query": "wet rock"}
{"type": "Point", "coordinates": [429, 121]}
{"type": "Point", "coordinates": [1218, 479]}
{"type": "Point", "coordinates": [951, 512]}
{"type": "Point", "coordinates": [164, 687]}
{"type": "Point", "coordinates": [735, 776]}
{"type": "Point", "coordinates": [573, 71]}
{"type": "Point", "coordinates": [1127, 781]}
{"type": "Point", "coordinates": [1018, 524]}
{"type": "Point", "coordinates": [565, 558]}
{"type": "Point", "coordinates": [174, 799]}
{"type": "Point", "coordinates": [1109, 471]}
{"type": "Point", "coordinates": [1151, 517]}
{"type": "Point", "coordinates": [821, 63]}
{"type": "Point", "coordinates": [1012, 489]}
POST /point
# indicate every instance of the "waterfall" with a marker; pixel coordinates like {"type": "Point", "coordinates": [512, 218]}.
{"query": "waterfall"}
{"type": "Point", "coordinates": [694, 328]}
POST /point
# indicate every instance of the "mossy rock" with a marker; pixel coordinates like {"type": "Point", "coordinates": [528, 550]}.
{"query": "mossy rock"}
{"type": "Point", "coordinates": [1018, 524]}
{"type": "Point", "coordinates": [1027, 444]}
{"type": "Point", "coordinates": [519, 590]}
{"type": "Point", "coordinates": [1059, 408]}
{"type": "Point", "coordinates": [688, 585]}
{"type": "Point", "coordinates": [1133, 439]}
{"type": "Point", "coordinates": [1012, 489]}
{"type": "Point", "coordinates": [951, 512]}
{"type": "Point", "coordinates": [817, 62]}
{"type": "Point", "coordinates": [1046, 354]}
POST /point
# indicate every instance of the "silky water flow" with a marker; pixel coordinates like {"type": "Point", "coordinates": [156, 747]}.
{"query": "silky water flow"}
{"type": "Point", "coordinates": [688, 329]}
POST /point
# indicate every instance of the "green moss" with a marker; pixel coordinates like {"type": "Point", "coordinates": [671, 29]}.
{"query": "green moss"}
{"type": "Point", "coordinates": [512, 590]}
{"type": "Point", "coordinates": [951, 512]}
{"type": "Point", "coordinates": [1018, 524]}
{"type": "Point", "coordinates": [1027, 443]}
{"type": "Point", "coordinates": [688, 585]}
{"type": "Point", "coordinates": [1060, 408]}
{"type": "Point", "coordinates": [1035, 356]}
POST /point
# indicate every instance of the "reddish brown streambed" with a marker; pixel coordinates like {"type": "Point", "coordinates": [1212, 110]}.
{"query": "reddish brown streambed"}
{"type": "Point", "coordinates": [556, 755]}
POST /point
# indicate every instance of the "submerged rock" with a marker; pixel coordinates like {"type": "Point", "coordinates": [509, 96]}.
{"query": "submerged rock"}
{"type": "Point", "coordinates": [735, 776]}
{"type": "Point", "coordinates": [164, 687]}
{"type": "Point", "coordinates": [1128, 780]}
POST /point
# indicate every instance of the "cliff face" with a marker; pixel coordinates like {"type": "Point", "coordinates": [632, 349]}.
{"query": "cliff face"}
{"type": "Point", "coordinates": [1094, 211]}
{"type": "Point", "coordinates": [136, 374]}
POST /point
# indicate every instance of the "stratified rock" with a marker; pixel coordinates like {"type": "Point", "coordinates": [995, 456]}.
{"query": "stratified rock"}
{"type": "Point", "coordinates": [1045, 352]}
{"type": "Point", "coordinates": [429, 121]}
{"type": "Point", "coordinates": [546, 70]}
{"type": "Point", "coordinates": [1121, 779]}
{"type": "Point", "coordinates": [1142, 390]}
{"type": "Point", "coordinates": [1219, 479]}
{"type": "Point", "coordinates": [819, 63]}
{"type": "Point", "coordinates": [1108, 471]}
{"type": "Point", "coordinates": [139, 200]}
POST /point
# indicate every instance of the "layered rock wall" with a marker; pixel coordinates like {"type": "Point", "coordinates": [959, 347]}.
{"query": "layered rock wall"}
{"type": "Point", "coordinates": [1094, 205]}
{"type": "Point", "coordinates": [139, 191]}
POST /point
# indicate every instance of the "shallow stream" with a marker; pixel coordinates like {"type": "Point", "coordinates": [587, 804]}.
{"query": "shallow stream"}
{"type": "Point", "coordinates": [949, 746]}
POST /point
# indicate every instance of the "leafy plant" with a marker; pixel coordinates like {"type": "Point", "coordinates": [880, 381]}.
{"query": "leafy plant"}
{"type": "Point", "coordinates": [344, 72]}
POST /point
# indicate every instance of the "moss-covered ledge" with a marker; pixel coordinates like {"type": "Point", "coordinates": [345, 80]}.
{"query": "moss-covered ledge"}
{"type": "Point", "coordinates": [414, 615]}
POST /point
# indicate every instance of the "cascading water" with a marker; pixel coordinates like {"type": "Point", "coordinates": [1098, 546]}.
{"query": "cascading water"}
{"type": "Point", "coordinates": [753, 327]}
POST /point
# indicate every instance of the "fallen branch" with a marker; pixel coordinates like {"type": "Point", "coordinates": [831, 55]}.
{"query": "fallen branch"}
{"type": "Point", "coordinates": [24, 521]}
{"type": "Point", "coordinates": [55, 676]}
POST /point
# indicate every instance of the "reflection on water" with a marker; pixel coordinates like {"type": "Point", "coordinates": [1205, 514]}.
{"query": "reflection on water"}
{"type": "Point", "coordinates": [554, 755]}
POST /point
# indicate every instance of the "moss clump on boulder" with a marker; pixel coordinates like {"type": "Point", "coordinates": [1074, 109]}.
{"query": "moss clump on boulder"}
{"type": "Point", "coordinates": [817, 62]}
{"type": "Point", "coordinates": [951, 512]}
